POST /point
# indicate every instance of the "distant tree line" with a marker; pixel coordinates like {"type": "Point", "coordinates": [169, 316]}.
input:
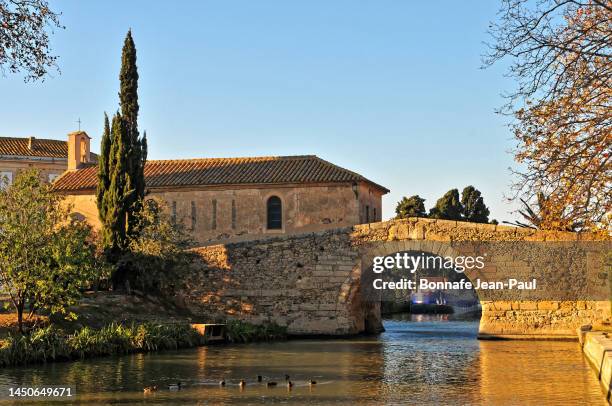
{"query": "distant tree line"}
{"type": "Point", "coordinates": [470, 207]}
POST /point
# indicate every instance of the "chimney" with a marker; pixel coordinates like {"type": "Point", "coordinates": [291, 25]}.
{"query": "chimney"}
{"type": "Point", "coordinates": [31, 143]}
{"type": "Point", "coordinates": [78, 150]}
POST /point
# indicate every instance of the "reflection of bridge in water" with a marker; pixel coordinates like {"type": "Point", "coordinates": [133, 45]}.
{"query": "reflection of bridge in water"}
{"type": "Point", "coordinates": [319, 283]}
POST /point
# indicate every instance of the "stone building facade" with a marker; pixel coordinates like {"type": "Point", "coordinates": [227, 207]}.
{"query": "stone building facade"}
{"type": "Point", "coordinates": [50, 157]}
{"type": "Point", "coordinates": [232, 199]}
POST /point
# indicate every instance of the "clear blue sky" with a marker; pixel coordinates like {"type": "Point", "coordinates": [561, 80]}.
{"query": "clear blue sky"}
{"type": "Point", "coordinates": [390, 89]}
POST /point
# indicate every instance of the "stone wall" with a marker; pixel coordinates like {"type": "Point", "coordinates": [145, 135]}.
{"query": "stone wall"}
{"type": "Point", "coordinates": [239, 213]}
{"type": "Point", "coordinates": [597, 348]}
{"type": "Point", "coordinates": [370, 205]}
{"type": "Point", "coordinates": [311, 283]}
{"type": "Point", "coordinates": [308, 283]}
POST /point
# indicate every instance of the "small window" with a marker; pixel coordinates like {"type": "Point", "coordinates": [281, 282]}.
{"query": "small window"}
{"type": "Point", "coordinates": [233, 214]}
{"type": "Point", "coordinates": [174, 212]}
{"type": "Point", "coordinates": [214, 214]}
{"type": "Point", "coordinates": [193, 215]}
{"type": "Point", "coordinates": [367, 214]}
{"type": "Point", "coordinates": [52, 177]}
{"type": "Point", "coordinates": [374, 214]}
{"type": "Point", "coordinates": [275, 213]}
{"type": "Point", "coordinates": [83, 150]}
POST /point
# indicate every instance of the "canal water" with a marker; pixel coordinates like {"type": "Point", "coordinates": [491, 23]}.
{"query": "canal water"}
{"type": "Point", "coordinates": [419, 360]}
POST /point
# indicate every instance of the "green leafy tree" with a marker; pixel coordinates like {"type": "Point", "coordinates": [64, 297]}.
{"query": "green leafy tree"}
{"type": "Point", "coordinates": [102, 268]}
{"type": "Point", "coordinates": [474, 209]}
{"type": "Point", "coordinates": [45, 255]}
{"type": "Point", "coordinates": [158, 253]}
{"type": "Point", "coordinates": [412, 206]}
{"type": "Point", "coordinates": [448, 207]}
{"type": "Point", "coordinates": [121, 184]}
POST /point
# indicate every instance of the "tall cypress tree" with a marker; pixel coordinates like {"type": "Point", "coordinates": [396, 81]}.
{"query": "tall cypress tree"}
{"type": "Point", "coordinates": [121, 185]}
{"type": "Point", "coordinates": [128, 91]}
{"type": "Point", "coordinates": [115, 216]}
{"type": "Point", "coordinates": [128, 98]}
{"type": "Point", "coordinates": [103, 168]}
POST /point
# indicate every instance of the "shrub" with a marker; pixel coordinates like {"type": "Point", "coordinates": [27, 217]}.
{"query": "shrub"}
{"type": "Point", "coordinates": [46, 343]}
{"type": "Point", "coordinates": [241, 332]}
{"type": "Point", "coordinates": [50, 343]}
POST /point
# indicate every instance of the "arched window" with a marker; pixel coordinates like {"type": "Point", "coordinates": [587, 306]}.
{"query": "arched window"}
{"type": "Point", "coordinates": [275, 213]}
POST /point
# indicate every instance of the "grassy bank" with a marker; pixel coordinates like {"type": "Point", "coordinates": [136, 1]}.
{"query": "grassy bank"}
{"type": "Point", "coordinates": [51, 344]}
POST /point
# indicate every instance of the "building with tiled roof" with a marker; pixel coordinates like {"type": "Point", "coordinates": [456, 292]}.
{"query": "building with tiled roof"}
{"type": "Point", "coordinates": [221, 199]}
{"type": "Point", "coordinates": [50, 157]}
{"type": "Point", "coordinates": [32, 147]}
{"type": "Point", "coordinates": [181, 173]}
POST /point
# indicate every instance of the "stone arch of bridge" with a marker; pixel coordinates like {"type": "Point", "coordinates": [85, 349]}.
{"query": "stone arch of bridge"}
{"type": "Point", "coordinates": [372, 311]}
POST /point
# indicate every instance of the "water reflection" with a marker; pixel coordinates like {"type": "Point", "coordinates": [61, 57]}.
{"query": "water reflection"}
{"type": "Point", "coordinates": [430, 361]}
{"type": "Point", "coordinates": [511, 371]}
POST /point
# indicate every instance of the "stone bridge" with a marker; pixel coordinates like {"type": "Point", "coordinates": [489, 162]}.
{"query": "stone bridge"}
{"type": "Point", "coordinates": [312, 283]}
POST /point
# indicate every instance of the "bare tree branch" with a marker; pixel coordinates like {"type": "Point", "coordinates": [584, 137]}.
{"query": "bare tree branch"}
{"type": "Point", "coordinates": [25, 26]}
{"type": "Point", "coordinates": [561, 54]}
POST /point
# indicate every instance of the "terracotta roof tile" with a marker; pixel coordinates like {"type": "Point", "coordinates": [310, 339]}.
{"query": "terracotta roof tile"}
{"type": "Point", "coordinates": [225, 171]}
{"type": "Point", "coordinates": [40, 147]}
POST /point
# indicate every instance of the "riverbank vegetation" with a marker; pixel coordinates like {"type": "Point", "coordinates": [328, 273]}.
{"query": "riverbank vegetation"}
{"type": "Point", "coordinates": [51, 344]}
{"type": "Point", "coordinates": [240, 332]}
{"type": "Point", "coordinates": [54, 269]}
